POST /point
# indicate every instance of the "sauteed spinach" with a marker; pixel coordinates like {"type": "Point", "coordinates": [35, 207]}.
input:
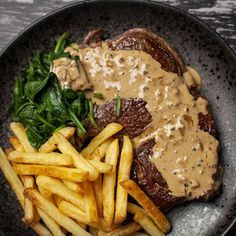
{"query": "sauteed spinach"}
{"type": "Point", "coordinates": [40, 103]}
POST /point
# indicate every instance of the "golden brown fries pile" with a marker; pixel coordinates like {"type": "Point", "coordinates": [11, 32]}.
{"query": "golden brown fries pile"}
{"type": "Point", "coordinates": [82, 193]}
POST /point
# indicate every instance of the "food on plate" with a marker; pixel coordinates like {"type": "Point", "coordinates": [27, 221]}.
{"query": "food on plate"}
{"type": "Point", "coordinates": [98, 121]}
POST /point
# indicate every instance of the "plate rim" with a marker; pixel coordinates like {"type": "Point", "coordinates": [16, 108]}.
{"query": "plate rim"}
{"type": "Point", "coordinates": [202, 23]}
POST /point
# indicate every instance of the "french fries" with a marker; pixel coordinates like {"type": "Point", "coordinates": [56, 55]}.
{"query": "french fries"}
{"type": "Point", "coordinates": [56, 187]}
{"type": "Point", "coordinates": [109, 181]}
{"type": "Point", "coordinates": [14, 141]}
{"type": "Point", "coordinates": [46, 206]}
{"type": "Point", "coordinates": [77, 192]}
{"type": "Point", "coordinates": [72, 174]}
{"type": "Point", "coordinates": [52, 158]}
{"type": "Point", "coordinates": [100, 151]}
{"type": "Point", "coordinates": [74, 186]}
{"type": "Point", "coordinates": [125, 164]}
{"type": "Point", "coordinates": [125, 230]}
{"type": "Point", "coordinates": [20, 132]}
{"type": "Point", "coordinates": [79, 161]}
{"type": "Point", "coordinates": [147, 224]}
{"type": "Point", "coordinates": [101, 166]}
{"type": "Point", "coordinates": [50, 145]}
{"type": "Point", "coordinates": [29, 209]}
{"type": "Point", "coordinates": [155, 214]}
{"type": "Point", "coordinates": [11, 177]}
{"type": "Point", "coordinates": [106, 133]}
{"type": "Point", "coordinates": [90, 202]}
{"type": "Point", "coordinates": [51, 224]}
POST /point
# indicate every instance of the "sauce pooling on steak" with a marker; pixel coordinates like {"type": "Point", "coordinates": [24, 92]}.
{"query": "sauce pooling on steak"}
{"type": "Point", "coordinates": [185, 155]}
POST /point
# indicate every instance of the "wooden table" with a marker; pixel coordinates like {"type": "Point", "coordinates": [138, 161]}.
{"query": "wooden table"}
{"type": "Point", "coordinates": [15, 15]}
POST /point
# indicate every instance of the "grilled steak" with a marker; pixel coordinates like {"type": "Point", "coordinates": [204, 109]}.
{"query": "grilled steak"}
{"type": "Point", "coordinates": [135, 117]}
{"type": "Point", "coordinates": [157, 47]}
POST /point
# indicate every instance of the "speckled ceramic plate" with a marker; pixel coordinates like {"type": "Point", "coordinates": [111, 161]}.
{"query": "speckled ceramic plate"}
{"type": "Point", "coordinates": [199, 46]}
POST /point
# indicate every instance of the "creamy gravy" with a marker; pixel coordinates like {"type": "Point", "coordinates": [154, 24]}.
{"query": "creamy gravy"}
{"type": "Point", "coordinates": [185, 155]}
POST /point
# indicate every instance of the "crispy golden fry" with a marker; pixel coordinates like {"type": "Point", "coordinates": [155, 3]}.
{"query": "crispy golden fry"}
{"type": "Point", "coordinates": [14, 141]}
{"type": "Point", "coordinates": [97, 187]}
{"type": "Point", "coordinates": [50, 145]}
{"type": "Point", "coordinates": [156, 215]}
{"type": "Point", "coordinates": [51, 224]}
{"type": "Point", "coordinates": [40, 202]}
{"type": "Point", "coordinates": [125, 230]}
{"type": "Point", "coordinates": [101, 166]}
{"type": "Point", "coordinates": [74, 186]}
{"type": "Point", "coordinates": [47, 194]}
{"type": "Point", "coordinates": [52, 158]}
{"type": "Point", "coordinates": [40, 230]}
{"type": "Point", "coordinates": [100, 151]}
{"type": "Point", "coordinates": [11, 177]}
{"type": "Point", "coordinates": [148, 224]}
{"type": "Point", "coordinates": [106, 133]}
{"type": "Point", "coordinates": [134, 209]}
{"type": "Point", "coordinates": [57, 200]}
{"type": "Point", "coordinates": [20, 132]}
{"type": "Point", "coordinates": [125, 164]}
{"type": "Point", "coordinates": [79, 161]}
{"type": "Point", "coordinates": [80, 216]}
{"type": "Point", "coordinates": [73, 212]}
{"type": "Point", "coordinates": [109, 181]}
{"type": "Point", "coordinates": [71, 174]}
{"type": "Point", "coordinates": [57, 187]}
{"type": "Point", "coordinates": [29, 208]}
{"type": "Point", "coordinates": [90, 202]}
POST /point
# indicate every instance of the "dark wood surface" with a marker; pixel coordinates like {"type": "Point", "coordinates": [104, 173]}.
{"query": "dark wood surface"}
{"type": "Point", "coordinates": [15, 15]}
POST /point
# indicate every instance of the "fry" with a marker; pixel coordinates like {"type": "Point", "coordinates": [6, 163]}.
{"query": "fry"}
{"type": "Point", "coordinates": [147, 224]}
{"type": "Point", "coordinates": [97, 187]}
{"type": "Point", "coordinates": [46, 206]}
{"type": "Point", "coordinates": [134, 209]}
{"type": "Point", "coordinates": [29, 208]}
{"type": "Point", "coordinates": [50, 145]}
{"type": "Point", "coordinates": [79, 161]}
{"type": "Point", "coordinates": [106, 133]}
{"type": "Point", "coordinates": [125, 164]}
{"type": "Point", "coordinates": [47, 194]}
{"type": "Point", "coordinates": [53, 158]}
{"type": "Point", "coordinates": [56, 187]}
{"type": "Point", "coordinates": [20, 132]}
{"type": "Point", "coordinates": [51, 224]}
{"type": "Point", "coordinates": [90, 202]}
{"type": "Point", "coordinates": [80, 216]}
{"type": "Point", "coordinates": [125, 230]}
{"type": "Point", "coordinates": [101, 150]}
{"type": "Point", "coordinates": [101, 166]}
{"type": "Point", "coordinates": [74, 186]}
{"type": "Point", "coordinates": [73, 211]}
{"type": "Point", "coordinates": [53, 171]}
{"type": "Point", "coordinates": [40, 230]}
{"type": "Point", "coordinates": [14, 141]}
{"type": "Point", "coordinates": [156, 215]}
{"type": "Point", "coordinates": [8, 151]}
{"type": "Point", "coordinates": [11, 177]}
{"type": "Point", "coordinates": [109, 181]}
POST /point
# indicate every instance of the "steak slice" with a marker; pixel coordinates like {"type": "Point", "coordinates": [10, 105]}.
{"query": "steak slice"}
{"type": "Point", "coordinates": [150, 180]}
{"type": "Point", "coordinates": [134, 117]}
{"type": "Point", "coordinates": [157, 47]}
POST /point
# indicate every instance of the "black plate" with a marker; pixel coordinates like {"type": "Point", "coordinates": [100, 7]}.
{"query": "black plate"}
{"type": "Point", "coordinates": [199, 46]}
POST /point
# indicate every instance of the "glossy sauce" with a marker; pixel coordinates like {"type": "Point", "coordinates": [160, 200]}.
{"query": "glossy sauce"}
{"type": "Point", "coordinates": [185, 155]}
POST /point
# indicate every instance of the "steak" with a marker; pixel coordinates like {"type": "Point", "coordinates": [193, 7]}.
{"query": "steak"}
{"type": "Point", "coordinates": [135, 117]}
{"type": "Point", "coordinates": [157, 47]}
